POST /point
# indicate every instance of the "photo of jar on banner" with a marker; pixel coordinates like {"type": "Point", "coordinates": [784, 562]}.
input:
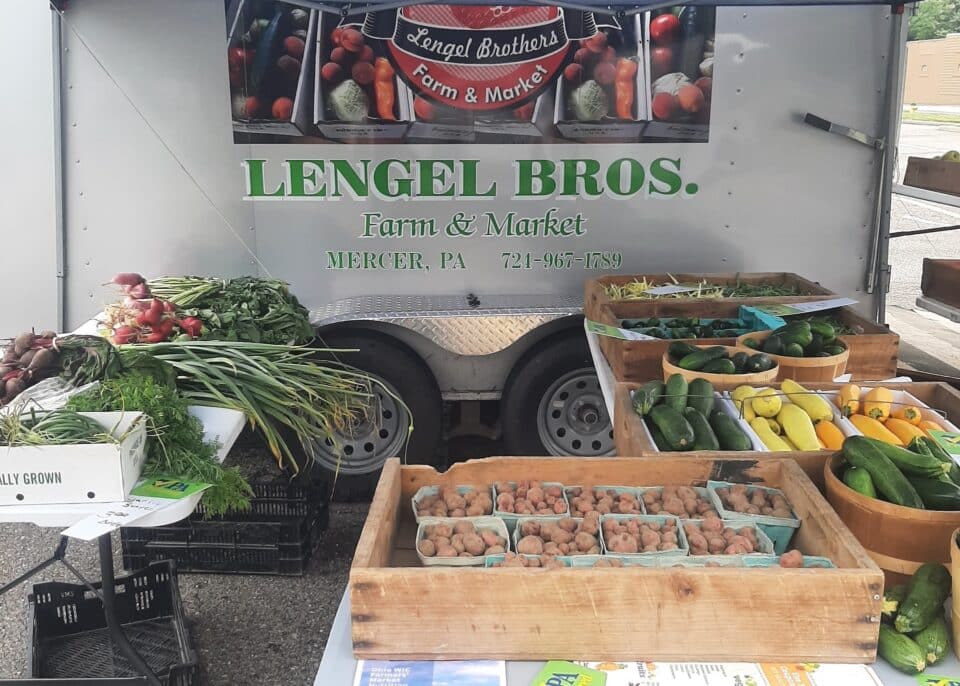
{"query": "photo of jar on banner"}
{"type": "Point", "coordinates": [468, 74]}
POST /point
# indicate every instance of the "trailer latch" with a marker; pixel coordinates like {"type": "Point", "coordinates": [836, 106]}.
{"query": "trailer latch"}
{"type": "Point", "coordinates": [841, 130]}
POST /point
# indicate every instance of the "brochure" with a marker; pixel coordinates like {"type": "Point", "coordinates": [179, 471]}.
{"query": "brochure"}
{"type": "Point", "coordinates": [423, 673]}
{"type": "Point", "coordinates": [560, 673]}
{"type": "Point", "coordinates": [733, 674]}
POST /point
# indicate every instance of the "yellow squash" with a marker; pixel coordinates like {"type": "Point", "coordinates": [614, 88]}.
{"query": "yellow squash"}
{"type": "Point", "coordinates": [829, 435]}
{"type": "Point", "coordinates": [774, 427]}
{"type": "Point", "coordinates": [767, 402]}
{"type": "Point", "coordinates": [878, 403]}
{"type": "Point", "coordinates": [741, 396]}
{"type": "Point", "coordinates": [848, 398]}
{"type": "Point", "coordinates": [928, 425]}
{"type": "Point", "coordinates": [871, 428]}
{"type": "Point", "coordinates": [903, 429]}
{"type": "Point", "coordinates": [767, 437]}
{"type": "Point", "coordinates": [798, 427]}
{"type": "Point", "coordinates": [908, 413]}
{"type": "Point", "coordinates": [808, 401]}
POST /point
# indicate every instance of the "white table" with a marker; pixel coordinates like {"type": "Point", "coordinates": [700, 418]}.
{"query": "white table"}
{"type": "Point", "coordinates": [338, 664]}
{"type": "Point", "coordinates": [220, 425]}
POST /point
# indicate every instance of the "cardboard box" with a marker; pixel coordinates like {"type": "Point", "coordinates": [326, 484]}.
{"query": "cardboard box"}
{"type": "Point", "coordinates": [82, 473]}
{"type": "Point", "coordinates": [373, 129]}
{"type": "Point", "coordinates": [299, 123]}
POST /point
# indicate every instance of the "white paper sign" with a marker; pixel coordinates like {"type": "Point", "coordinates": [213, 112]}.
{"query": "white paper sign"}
{"type": "Point", "coordinates": [112, 516]}
{"type": "Point", "coordinates": [805, 308]}
{"type": "Point", "coordinates": [669, 290]}
{"type": "Point", "coordinates": [616, 332]}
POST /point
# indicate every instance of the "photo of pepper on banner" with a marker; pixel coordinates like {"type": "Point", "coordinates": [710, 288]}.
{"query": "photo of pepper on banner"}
{"type": "Point", "coordinates": [468, 73]}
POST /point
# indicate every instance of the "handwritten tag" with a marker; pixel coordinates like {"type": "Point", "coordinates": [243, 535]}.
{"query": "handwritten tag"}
{"type": "Point", "coordinates": [615, 332]}
{"type": "Point", "coordinates": [112, 516]}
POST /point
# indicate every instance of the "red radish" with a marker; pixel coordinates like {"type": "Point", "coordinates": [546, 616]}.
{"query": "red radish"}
{"type": "Point", "coordinates": [165, 327]}
{"type": "Point", "coordinates": [192, 326]}
{"type": "Point", "coordinates": [155, 337]}
{"type": "Point", "coordinates": [124, 334]}
{"type": "Point", "coordinates": [134, 304]}
{"type": "Point", "coordinates": [140, 291]}
{"type": "Point", "coordinates": [127, 279]}
{"type": "Point", "coordinates": [144, 318]}
{"type": "Point", "coordinates": [169, 306]}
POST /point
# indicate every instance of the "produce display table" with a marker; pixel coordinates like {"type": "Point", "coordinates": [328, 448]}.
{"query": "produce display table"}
{"type": "Point", "coordinates": [338, 664]}
{"type": "Point", "coordinates": [608, 382]}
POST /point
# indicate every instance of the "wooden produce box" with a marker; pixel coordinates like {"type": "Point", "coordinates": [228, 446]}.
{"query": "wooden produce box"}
{"type": "Point", "coordinates": [873, 351]}
{"type": "Point", "coordinates": [401, 610]}
{"type": "Point", "coordinates": [942, 397]}
{"type": "Point", "coordinates": [595, 294]}
{"type": "Point", "coordinates": [941, 280]}
{"type": "Point", "coordinates": [632, 440]}
{"type": "Point", "coordinates": [934, 175]}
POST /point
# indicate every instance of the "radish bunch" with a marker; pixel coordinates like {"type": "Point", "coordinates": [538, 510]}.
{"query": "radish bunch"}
{"type": "Point", "coordinates": [28, 358]}
{"type": "Point", "coordinates": [141, 318]}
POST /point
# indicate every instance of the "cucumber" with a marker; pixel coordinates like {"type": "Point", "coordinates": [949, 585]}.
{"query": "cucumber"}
{"type": "Point", "coordinates": [937, 494]}
{"type": "Point", "coordinates": [793, 350]}
{"type": "Point", "coordinates": [700, 396]}
{"type": "Point", "coordinates": [675, 429]}
{"type": "Point", "coordinates": [726, 333]}
{"type": "Point", "coordinates": [900, 651]}
{"type": "Point", "coordinates": [815, 347]}
{"type": "Point", "coordinates": [892, 597]}
{"type": "Point", "coordinates": [936, 450]}
{"type": "Point", "coordinates": [911, 463]}
{"type": "Point", "coordinates": [859, 480]}
{"type": "Point", "coordinates": [695, 361]}
{"type": "Point", "coordinates": [889, 481]}
{"type": "Point", "coordinates": [675, 392]}
{"type": "Point", "coordinates": [679, 350]}
{"type": "Point", "coordinates": [648, 395]}
{"type": "Point", "coordinates": [751, 343]}
{"type": "Point", "coordinates": [934, 641]}
{"type": "Point", "coordinates": [704, 438]}
{"type": "Point", "coordinates": [832, 350]}
{"type": "Point", "coordinates": [740, 361]}
{"type": "Point", "coordinates": [658, 438]}
{"type": "Point", "coordinates": [728, 432]}
{"type": "Point", "coordinates": [721, 366]}
{"type": "Point", "coordinates": [680, 333]}
{"type": "Point", "coordinates": [928, 588]}
{"type": "Point", "coordinates": [758, 362]}
{"type": "Point", "coordinates": [823, 329]}
{"type": "Point", "coordinates": [798, 333]}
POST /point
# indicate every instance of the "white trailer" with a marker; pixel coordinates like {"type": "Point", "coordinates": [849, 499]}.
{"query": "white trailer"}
{"type": "Point", "coordinates": [122, 154]}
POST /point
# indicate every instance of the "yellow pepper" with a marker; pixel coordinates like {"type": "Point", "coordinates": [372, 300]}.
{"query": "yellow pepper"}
{"type": "Point", "coordinates": [848, 399]}
{"type": "Point", "coordinates": [877, 403]}
{"type": "Point", "coordinates": [870, 427]}
{"type": "Point", "coordinates": [829, 435]}
{"type": "Point", "coordinates": [903, 429]}
{"type": "Point", "coordinates": [908, 413]}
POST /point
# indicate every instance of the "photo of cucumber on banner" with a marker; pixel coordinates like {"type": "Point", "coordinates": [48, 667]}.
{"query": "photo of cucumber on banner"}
{"type": "Point", "coordinates": [468, 74]}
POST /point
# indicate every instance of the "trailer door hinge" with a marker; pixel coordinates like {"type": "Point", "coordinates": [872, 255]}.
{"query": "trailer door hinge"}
{"type": "Point", "coordinates": [841, 130]}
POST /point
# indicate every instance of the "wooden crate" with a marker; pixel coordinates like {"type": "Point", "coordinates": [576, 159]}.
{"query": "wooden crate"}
{"type": "Point", "coordinates": [873, 351]}
{"type": "Point", "coordinates": [631, 440]}
{"type": "Point", "coordinates": [934, 175]}
{"type": "Point", "coordinates": [595, 294]}
{"type": "Point", "coordinates": [941, 280]}
{"type": "Point", "coordinates": [404, 611]}
{"type": "Point", "coordinates": [936, 394]}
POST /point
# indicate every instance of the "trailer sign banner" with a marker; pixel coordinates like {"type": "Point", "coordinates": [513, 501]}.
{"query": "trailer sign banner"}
{"type": "Point", "coordinates": [468, 74]}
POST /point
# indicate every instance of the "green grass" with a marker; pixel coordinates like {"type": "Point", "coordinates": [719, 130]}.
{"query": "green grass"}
{"type": "Point", "coordinates": [939, 117]}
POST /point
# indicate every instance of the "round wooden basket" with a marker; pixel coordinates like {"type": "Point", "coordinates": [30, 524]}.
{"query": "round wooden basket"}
{"type": "Point", "coordinates": [720, 381]}
{"type": "Point", "coordinates": [801, 368]}
{"type": "Point", "coordinates": [899, 539]}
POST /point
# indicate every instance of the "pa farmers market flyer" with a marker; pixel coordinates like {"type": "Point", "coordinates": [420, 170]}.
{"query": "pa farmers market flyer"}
{"type": "Point", "coordinates": [400, 673]}
{"type": "Point", "coordinates": [733, 674]}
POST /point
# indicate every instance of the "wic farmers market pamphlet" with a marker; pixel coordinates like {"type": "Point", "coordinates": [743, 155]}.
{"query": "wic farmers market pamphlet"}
{"type": "Point", "coordinates": [733, 674]}
{"type": "Point", "coordinates": [421, 673]}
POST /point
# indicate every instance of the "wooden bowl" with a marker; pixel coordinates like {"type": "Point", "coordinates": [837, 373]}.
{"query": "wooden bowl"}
{"type": "Point", "coordinates": [800, 368]}
{"type": "Point", "coordinates": [719, 381]}
{"type": "Point", "coordinates": [899, 539]}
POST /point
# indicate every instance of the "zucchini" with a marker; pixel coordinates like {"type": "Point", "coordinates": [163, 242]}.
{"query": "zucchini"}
{"type": "Point", "coordinates": [859, 480]}
{"type": "Point", "coordinates": [911, 463]}
{"type": "Point", "coordinates": [928, 588]}
{"type": "Point", "coordinates": [728, 432]}
{"type": "Point", "coordinates": [700, 396]}
{"type": "Point", "coordinates": [892, 597]}
{"type": "Point", "coordinates": [679, 350]}
{"type": "Point", "coordinates": [704, 438]}
{"type": "Point", "coordinates": [900, 651]}
{"type": "Point", "coordinates": [645, 397]}
{"type": "Point", "coordinates": [695, 361]}
{"type": "Point", "coordinates": [675, 392]}
{"type": "Point", "coordinates": [658, 438]}
{"type": "Point", "coordinates": [937, 494]}
{"type": "Point", "coordinates": [719, 366]}
{"type": "Point", "coordinates": [936, 450]}
{"type": "Point", "coordinates": [758, 362]}
{"type": "Point", "coordinates": [934, 641]}
{"type": "Point", "coordinates": [890, 482]}
{"type": "Point", "coordinates": [773, 345]}
{"type": "Point", "coordinates": [740, 361]}
{"type": "Point", "coordinates": [675, 429]}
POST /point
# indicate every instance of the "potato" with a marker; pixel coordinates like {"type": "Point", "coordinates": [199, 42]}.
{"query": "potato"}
{"type": "Point", "coordinates": [440, 540]}
{"type": "Point", "coordinates": [445, 550]}
{"type": "Point", "coordinates": [444, 530]}
{"type": "Point", "coordinates": [568, 524]}
{"type": "Point", "coordinates": [494, 549]}
{"type": "Point", "coordinates": [585, 541]}
{"type": "Point", "coordinates": [622, 543]}
{"type": "Point", "coordinates": [457, 542]}
{"type": "Point", "coordinates": [489, 537]}
{"type": "Point", "coordinates": [756, 501]}
{"type": "Point", "coordinates": [697, 540]}
{"type": "Point", "coordinates": [427, 548]}
{"type": "Point", "coordinates": [561, 536]}
{"type": "Point", "coordinates": [473, 544]}
{"type": "Point", "coordinates": [464, 528]}
{"type": "Point", "coordinates": [792, 559]}
{"type": "Point", "coordinates": [530, 545]}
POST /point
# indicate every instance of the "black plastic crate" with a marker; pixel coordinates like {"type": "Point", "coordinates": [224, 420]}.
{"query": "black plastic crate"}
{"type": "Point", "coordinates": [277, 535]}
{"type": "Point", "coordinates": [71, 640]}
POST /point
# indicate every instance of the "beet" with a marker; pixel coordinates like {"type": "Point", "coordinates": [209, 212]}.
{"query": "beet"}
{"type": "Point", "coordinates": [22, 343]}
{"type": "Point", "coordinates": [27, 357]}
{"type": "Point", "coordinates": [14, 387]}
{"type": "Point", "coordinates": [42, 359]}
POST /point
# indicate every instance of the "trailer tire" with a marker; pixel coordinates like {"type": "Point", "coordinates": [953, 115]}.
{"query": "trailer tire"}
{"type": "Point", "coordinates": [552, 403]}
{"type": "Point", "coordinates": [406, 375]}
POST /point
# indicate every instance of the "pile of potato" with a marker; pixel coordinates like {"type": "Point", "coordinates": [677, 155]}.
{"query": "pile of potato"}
{"type": "Point", "coordinates": [680, 501]}
{"type": "Point", "coordinates": [565, 536]}
{"type": "Point", "coordinates": [754, 501]}
{"type": "Point", "coordinates": [530, 498]}
{"type": "Point", "coordinates": [449, 502]}
{"type": "Point", "coordinates": [792, 559]}
{"type": "Point", "coordinates": [543, 562]}
{"type": "Point", "coordinates": [637, 536]}
{"type": "Point", "coordinates": [608, 562]}
{"type": "Point", "coordinates": [602, 501]}
{"type": "Point", "coordinates": [713, 537]}
{"type": "Point", "coordinates": [461, 539]}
